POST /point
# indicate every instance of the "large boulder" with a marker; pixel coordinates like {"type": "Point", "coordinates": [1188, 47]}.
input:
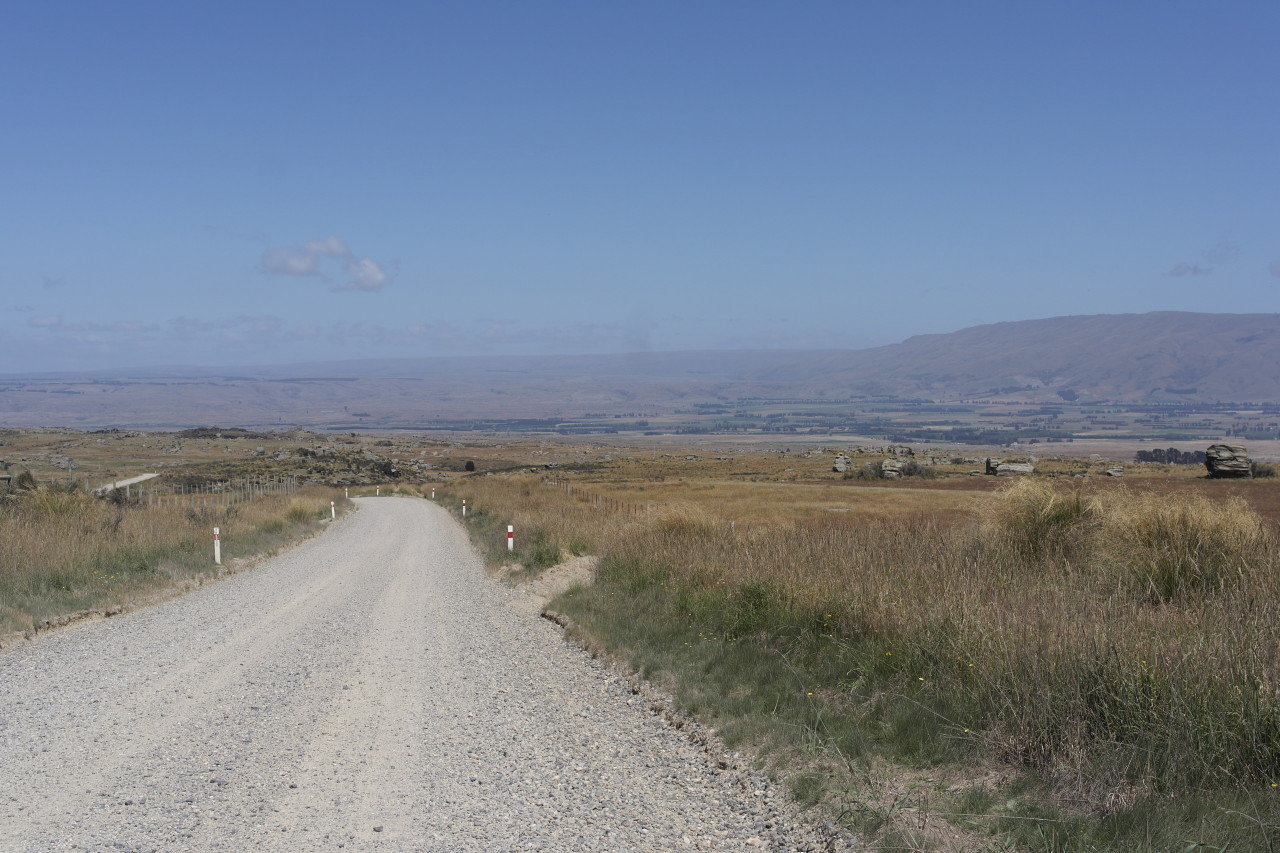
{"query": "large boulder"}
{"type": "Point", "coordinates": [1004, 468]}
{"type": "Point", "coordinates": [842, 464]}
{"type": "Point", "coordinates": [1227, 460]}
{"type": "Point", "coordinates": [893, 469]}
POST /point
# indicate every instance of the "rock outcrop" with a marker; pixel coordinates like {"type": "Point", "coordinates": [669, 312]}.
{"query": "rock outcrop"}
{"type": "Point", "coordinates": [1000, 467]}
{"type": "Point", "coordinates": [893, 469]}
{"type": "Point", "coordinates": [1227, 460]}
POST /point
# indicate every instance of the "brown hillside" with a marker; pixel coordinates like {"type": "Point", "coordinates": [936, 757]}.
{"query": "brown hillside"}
{"type": "Point", "coordinates": [1164, 355]}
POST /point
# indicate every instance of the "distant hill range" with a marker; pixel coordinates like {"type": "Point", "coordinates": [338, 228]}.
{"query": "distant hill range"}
{"type": "Point", "coordinates": [1161, 356]}
{"type": "Point", "coordinates": [1164, 355]}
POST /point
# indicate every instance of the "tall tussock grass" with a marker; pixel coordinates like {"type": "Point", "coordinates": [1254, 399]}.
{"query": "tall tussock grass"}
{"type": "Point", "coordinates": [1188, 546]}
{"type": "Point", "coordinates": [63, 551]}
{"type": "Point", "coordinates": [549, 523]}
{"type": "Point", "coordinates": [1036, 522]}
{"type": "Point", "coordinates": [1124, 646]}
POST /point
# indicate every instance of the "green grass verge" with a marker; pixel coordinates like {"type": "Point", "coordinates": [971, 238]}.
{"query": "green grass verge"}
{"type": "Point", "coordinates": [851, 727]}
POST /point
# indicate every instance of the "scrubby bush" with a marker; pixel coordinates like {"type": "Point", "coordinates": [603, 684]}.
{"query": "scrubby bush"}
{"type": "Point", "coordinates": [1035, 521]}
{"type": "Point", "coordinates": [1173, 548]}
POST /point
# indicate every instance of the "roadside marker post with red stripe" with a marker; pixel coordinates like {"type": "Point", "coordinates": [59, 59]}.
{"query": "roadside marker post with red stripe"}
{"type": "Point", "coordinates": [464, 509]}
{"type": "Point", "coordinates": [333, 510]}
{"type": "Point", "coordinates": [511, 537]}
{"type": "Point", "coordinates": [217, 547]}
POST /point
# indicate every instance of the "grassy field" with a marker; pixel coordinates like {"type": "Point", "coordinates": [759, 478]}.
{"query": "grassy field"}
{"type": "Point", "coordinates": [64, 552]}
{"type": "Point", "coordinates": [1045, 664]}
{"type": "Point", "coordinates": [1069, 662]}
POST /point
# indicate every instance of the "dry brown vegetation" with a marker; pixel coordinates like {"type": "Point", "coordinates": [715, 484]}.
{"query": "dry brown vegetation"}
{"type": "Point", "coordinates": [63, 551]}
{"type": "Point", "coordinates": [1113, 640]}
{"type": "Point", "coordinates": [1119, 639]}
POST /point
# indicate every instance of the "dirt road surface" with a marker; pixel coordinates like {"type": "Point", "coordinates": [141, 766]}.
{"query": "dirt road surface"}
{"type": "Point", "coordinates": [371, 689]}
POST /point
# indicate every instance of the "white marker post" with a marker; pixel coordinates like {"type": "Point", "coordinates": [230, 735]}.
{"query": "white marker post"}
{"type": "Point", "coordinates": [333, 509]}
{"type": "Point", "coordinates": [464, 509]}
{"type": "Point", "coordinates": [433, 494]}
{"type": "Point", "coordinates": [511, 537]}
{"type": "Point", "coordinates": [377, 493]}
{"type": "Point", "coordinates": [346, 493]}
{"type": "Point", "coordinates": [217, 547]}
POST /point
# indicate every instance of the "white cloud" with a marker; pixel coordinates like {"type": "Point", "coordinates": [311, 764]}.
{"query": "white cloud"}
{"type": "Point", "coordinates": [364, 274]}
{"type": "Point", "coordinates": [1190, 269]}
{"type": "Point", "coordinates": [46, 321]}
{"type": "Point", "coordinates": [289, 261]}
{"type": "Point", "coordinates": [332, 246]}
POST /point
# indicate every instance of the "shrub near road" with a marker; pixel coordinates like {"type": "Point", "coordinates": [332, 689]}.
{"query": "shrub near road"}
{"type": "Point", "coordinates": [63, 551]}
{"type": "Point", "coordinates": [1109, 662]}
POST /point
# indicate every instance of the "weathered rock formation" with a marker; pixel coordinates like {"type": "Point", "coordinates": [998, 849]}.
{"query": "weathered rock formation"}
{"type": "Point", "coordinates": [1000, 467]}
{"type": "Point", "coordinates": [893, 469]}
{"type": "Point", "coordinates": [1227, 460]}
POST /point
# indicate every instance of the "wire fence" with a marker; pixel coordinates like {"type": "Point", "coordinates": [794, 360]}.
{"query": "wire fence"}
{"type": "Point", "coordinates": [219, 493]}
{"type": "Point", "coordinates": [602, 501]}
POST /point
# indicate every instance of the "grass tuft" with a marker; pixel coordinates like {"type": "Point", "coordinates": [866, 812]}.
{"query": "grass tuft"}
{"type": "Point", "coordinates": [1193, 545]}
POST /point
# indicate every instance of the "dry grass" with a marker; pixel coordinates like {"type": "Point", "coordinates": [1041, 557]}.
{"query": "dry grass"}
{"type": "Point", "coordinates": [1121, 641]}
{"type": "Point", "coordinates": [63, 551]}
{"type": "Point", "coordinates": [772, 503]}
{"type": "Point", "coordinates": [550, 518]}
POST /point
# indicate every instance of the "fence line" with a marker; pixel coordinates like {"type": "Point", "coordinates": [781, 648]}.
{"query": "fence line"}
{"type": "Point", "coordinates": [223, 493]}
{"type": "Point", "coordinates": [596, 499]}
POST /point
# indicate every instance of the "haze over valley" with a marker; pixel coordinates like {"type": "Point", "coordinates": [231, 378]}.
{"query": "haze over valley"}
{"type": "Point", "coordinates": [1180, 376]}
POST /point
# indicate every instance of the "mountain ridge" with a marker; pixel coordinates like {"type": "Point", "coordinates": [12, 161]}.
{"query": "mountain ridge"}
{"type": "Point", "coordinates": [1129, 357]}
{"type": "Point", "coordinates": [1132, 358]}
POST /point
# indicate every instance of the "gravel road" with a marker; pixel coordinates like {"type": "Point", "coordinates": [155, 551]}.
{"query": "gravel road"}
{"type": "Point", "coordinates": [371, 689]}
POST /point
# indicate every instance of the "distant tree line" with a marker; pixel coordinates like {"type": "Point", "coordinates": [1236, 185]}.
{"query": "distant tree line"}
{"type": "Point", "coordinates": [1171, 456]}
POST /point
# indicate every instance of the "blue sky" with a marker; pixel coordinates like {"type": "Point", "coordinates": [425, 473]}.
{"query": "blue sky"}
{"type": "Point", "coordinates": [242, 183]}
